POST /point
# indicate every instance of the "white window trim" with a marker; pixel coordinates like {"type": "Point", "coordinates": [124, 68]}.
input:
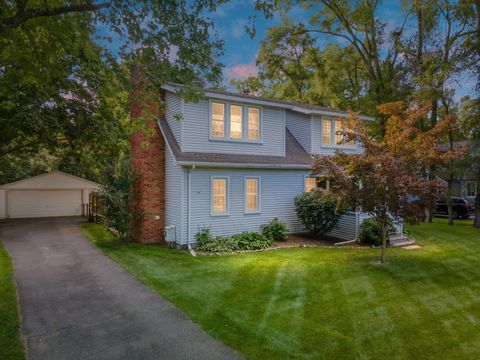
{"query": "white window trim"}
{"type": "Point", "coordinates": [210, 127]}
{"type": "Point", "coordinates": [259, 197]}
{"type": "Point", "coordinates": [260, 125]}
{"type": "Point", "coordinates": [474, 187]}
{"type": "Point", "coordinates": [333, 144]}
{"type": "Point", "coordinates": [227, 196]}
{"type": "Point", "coordinates": [226, 137]}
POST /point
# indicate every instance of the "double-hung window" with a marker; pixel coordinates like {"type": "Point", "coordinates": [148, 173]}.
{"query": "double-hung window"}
{"type": "Point", "coordinates": [339, 135]}
{"type": "Point", "coordinates": [218, 120]}
{"type": "Point", "coordinates": [326, 132]}
{"type": "Point", "coordinates": [310, 183]}
{"type": "Point", "coordinates": [219, 196]}
{"type": "Point", "coordinates": [253, 123]}
{"type": "Point", "coordinates": [252, 194]}
{"type": "Point", "coordinates": [236, 121]}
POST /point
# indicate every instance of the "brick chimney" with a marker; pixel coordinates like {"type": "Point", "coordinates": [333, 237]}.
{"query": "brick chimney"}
{"type": "Point", "coordinates": [147, 151]}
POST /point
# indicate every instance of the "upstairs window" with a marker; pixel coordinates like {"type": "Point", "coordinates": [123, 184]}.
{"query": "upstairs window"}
{"type": "Point", "coordinates": [338, 132]}
{"type": "Point", "coordinates": [326, 132]}
{"type": "Point", "coordinates": [253, 123]}
{"type": "Point", "coordinates": [236, 121]}
{"type": "Point", "coordinates": [252, 194]}
{"type": "Point", "coordinates": [219, 196]}
{"type": "Point", "coordinates": [218, 120]}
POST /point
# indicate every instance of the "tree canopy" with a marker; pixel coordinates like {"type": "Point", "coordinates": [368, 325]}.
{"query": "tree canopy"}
{"type": "Point", "coordinates": [64, 82]}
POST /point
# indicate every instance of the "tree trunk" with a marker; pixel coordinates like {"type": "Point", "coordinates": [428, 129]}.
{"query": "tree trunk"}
{"type": "Point", "coordinates": [384, 239]}
{"type": "Point", "coordinates": [450, 180]}
{"type": "Point", "coordinates": [449, 200]}
{"type": "Point", "coordinates": [476, 221]}
{"type": "Point", "coordinates": [428, 214]}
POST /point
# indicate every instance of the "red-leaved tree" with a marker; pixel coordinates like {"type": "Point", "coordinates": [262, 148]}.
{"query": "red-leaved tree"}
{"type": "Point", "coordinates": [383, 180]}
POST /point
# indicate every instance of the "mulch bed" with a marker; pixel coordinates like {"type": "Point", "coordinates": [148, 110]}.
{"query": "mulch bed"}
{"type": "Point", "coordinates": [307, 240]}
{"type": "Point", "coordinates": [300, 240]}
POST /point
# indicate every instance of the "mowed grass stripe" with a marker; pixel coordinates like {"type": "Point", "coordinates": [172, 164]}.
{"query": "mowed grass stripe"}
{"type": "Point", "coordinates": [326, 303]}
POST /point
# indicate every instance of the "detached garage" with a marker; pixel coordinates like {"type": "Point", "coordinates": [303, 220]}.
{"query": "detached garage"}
{"type": "Point", "coordinates": [46, 195]}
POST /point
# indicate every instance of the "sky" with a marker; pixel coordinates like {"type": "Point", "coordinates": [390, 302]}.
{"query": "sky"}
{"type": "Point", "coordinates": [240, 50]}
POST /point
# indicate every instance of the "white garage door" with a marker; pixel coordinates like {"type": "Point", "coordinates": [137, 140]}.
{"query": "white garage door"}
{"type": "Point", "coordinates": [42, 203]}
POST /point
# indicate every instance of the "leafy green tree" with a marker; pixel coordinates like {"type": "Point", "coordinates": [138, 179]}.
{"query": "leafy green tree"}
{"type": "Point", "coordinates": [434, 53]}
{"type": "Point", "coordinates": [293, 68]}
{"type": "Point", "coordinates": [64, 84]}
{"type": "Point", "coordinates": [358, 25]}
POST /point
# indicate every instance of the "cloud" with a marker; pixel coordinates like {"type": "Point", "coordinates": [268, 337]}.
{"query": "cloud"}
{"type": "Point", "coordinates": [241, 71]}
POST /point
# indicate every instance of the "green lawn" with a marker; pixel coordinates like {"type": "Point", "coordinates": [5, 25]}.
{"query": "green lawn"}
{"type": "Point", "coordinates": [11, 344]}
{"type": "Point", "coordinates": [326, 303]}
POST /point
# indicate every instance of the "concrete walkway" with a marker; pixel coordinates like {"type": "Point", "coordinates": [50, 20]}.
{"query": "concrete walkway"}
{"type": "Point", "coordinates": [76, 303]}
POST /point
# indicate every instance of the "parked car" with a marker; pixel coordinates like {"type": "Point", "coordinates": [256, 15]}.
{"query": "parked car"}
{"type": "Point", "coordinates": [462, 208]}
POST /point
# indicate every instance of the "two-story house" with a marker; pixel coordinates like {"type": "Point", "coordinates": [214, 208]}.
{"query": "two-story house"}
{"type": "Point", "coordinates": [231, 162]}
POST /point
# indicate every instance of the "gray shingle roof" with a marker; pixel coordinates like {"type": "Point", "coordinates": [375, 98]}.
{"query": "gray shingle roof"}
{"type": "Point", "coordinates": [176, 87]}
{"type": "Point", "coordinates": [295, 154]}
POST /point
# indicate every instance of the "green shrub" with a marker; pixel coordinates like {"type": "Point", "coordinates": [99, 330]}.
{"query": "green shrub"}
{"type": "Point", "coordinates": [249, 240]}
{"type": "Point", "coordinates": [371, 233]}
{"type": "Point", "coordinates": [217, 244]}
{"type": "Point", "coordinates": [117, 196]}
{"type": "Point", "coordinates": [276, 230]}
{"type": "Point", "coordinates": [223, 244]}
{"type": "Point", "coordinates": [203, 236]}
{"type": "Point", "coordinates": [318, 211]}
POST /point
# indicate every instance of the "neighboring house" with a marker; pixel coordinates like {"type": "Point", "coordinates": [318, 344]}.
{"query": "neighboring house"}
{"type": "Point", "coordinates": [232, 163]}
{"type": "Point", "coordinates": [465, 177]}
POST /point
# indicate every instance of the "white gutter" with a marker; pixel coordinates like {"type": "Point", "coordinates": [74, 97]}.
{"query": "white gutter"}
{"type": "Point", "coordinates": [243, 165]}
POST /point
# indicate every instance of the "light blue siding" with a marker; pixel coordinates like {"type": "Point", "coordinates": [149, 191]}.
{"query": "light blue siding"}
{"type": "Point", "coordinates": [174, 175]}
{"type": "Point", "coordinates": [347, 227]}
{"type": "Point", "coordinates": [196, 133]}
{"type": "Point", "coordinates": [317, 147]}
{"type": "Point", "coordinates": [300, 126]}
{"type": "Point", "coordinates": [174, 107]}
{"type": "Point", "coordinates": [277, 191]}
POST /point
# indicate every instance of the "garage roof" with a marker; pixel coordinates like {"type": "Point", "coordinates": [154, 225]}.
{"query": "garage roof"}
{"type": "Point", "coordinates": [51, 180]}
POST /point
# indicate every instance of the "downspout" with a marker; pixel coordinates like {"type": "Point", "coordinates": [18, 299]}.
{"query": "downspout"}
{"type": "Point", "coordinates": [189, 201]}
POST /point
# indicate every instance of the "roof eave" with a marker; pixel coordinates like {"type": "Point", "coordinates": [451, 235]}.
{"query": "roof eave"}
{"type": "Point", "coordinates": [244, 165]}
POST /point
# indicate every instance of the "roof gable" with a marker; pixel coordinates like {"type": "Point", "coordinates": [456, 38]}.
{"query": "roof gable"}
{"type": "Point", "coordinates": [51, 180]}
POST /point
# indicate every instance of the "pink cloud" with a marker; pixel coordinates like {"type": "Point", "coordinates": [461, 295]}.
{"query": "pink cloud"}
{"type": "Point", "coordinates": [241, 71]}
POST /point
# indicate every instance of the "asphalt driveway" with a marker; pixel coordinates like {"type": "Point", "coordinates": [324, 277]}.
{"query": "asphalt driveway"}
{"type": "Point", "coordinates": [76, 303]}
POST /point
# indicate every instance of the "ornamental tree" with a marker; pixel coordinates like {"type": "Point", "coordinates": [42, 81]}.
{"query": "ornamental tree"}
{"type": "Point", "coordinates": [383, 180]}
